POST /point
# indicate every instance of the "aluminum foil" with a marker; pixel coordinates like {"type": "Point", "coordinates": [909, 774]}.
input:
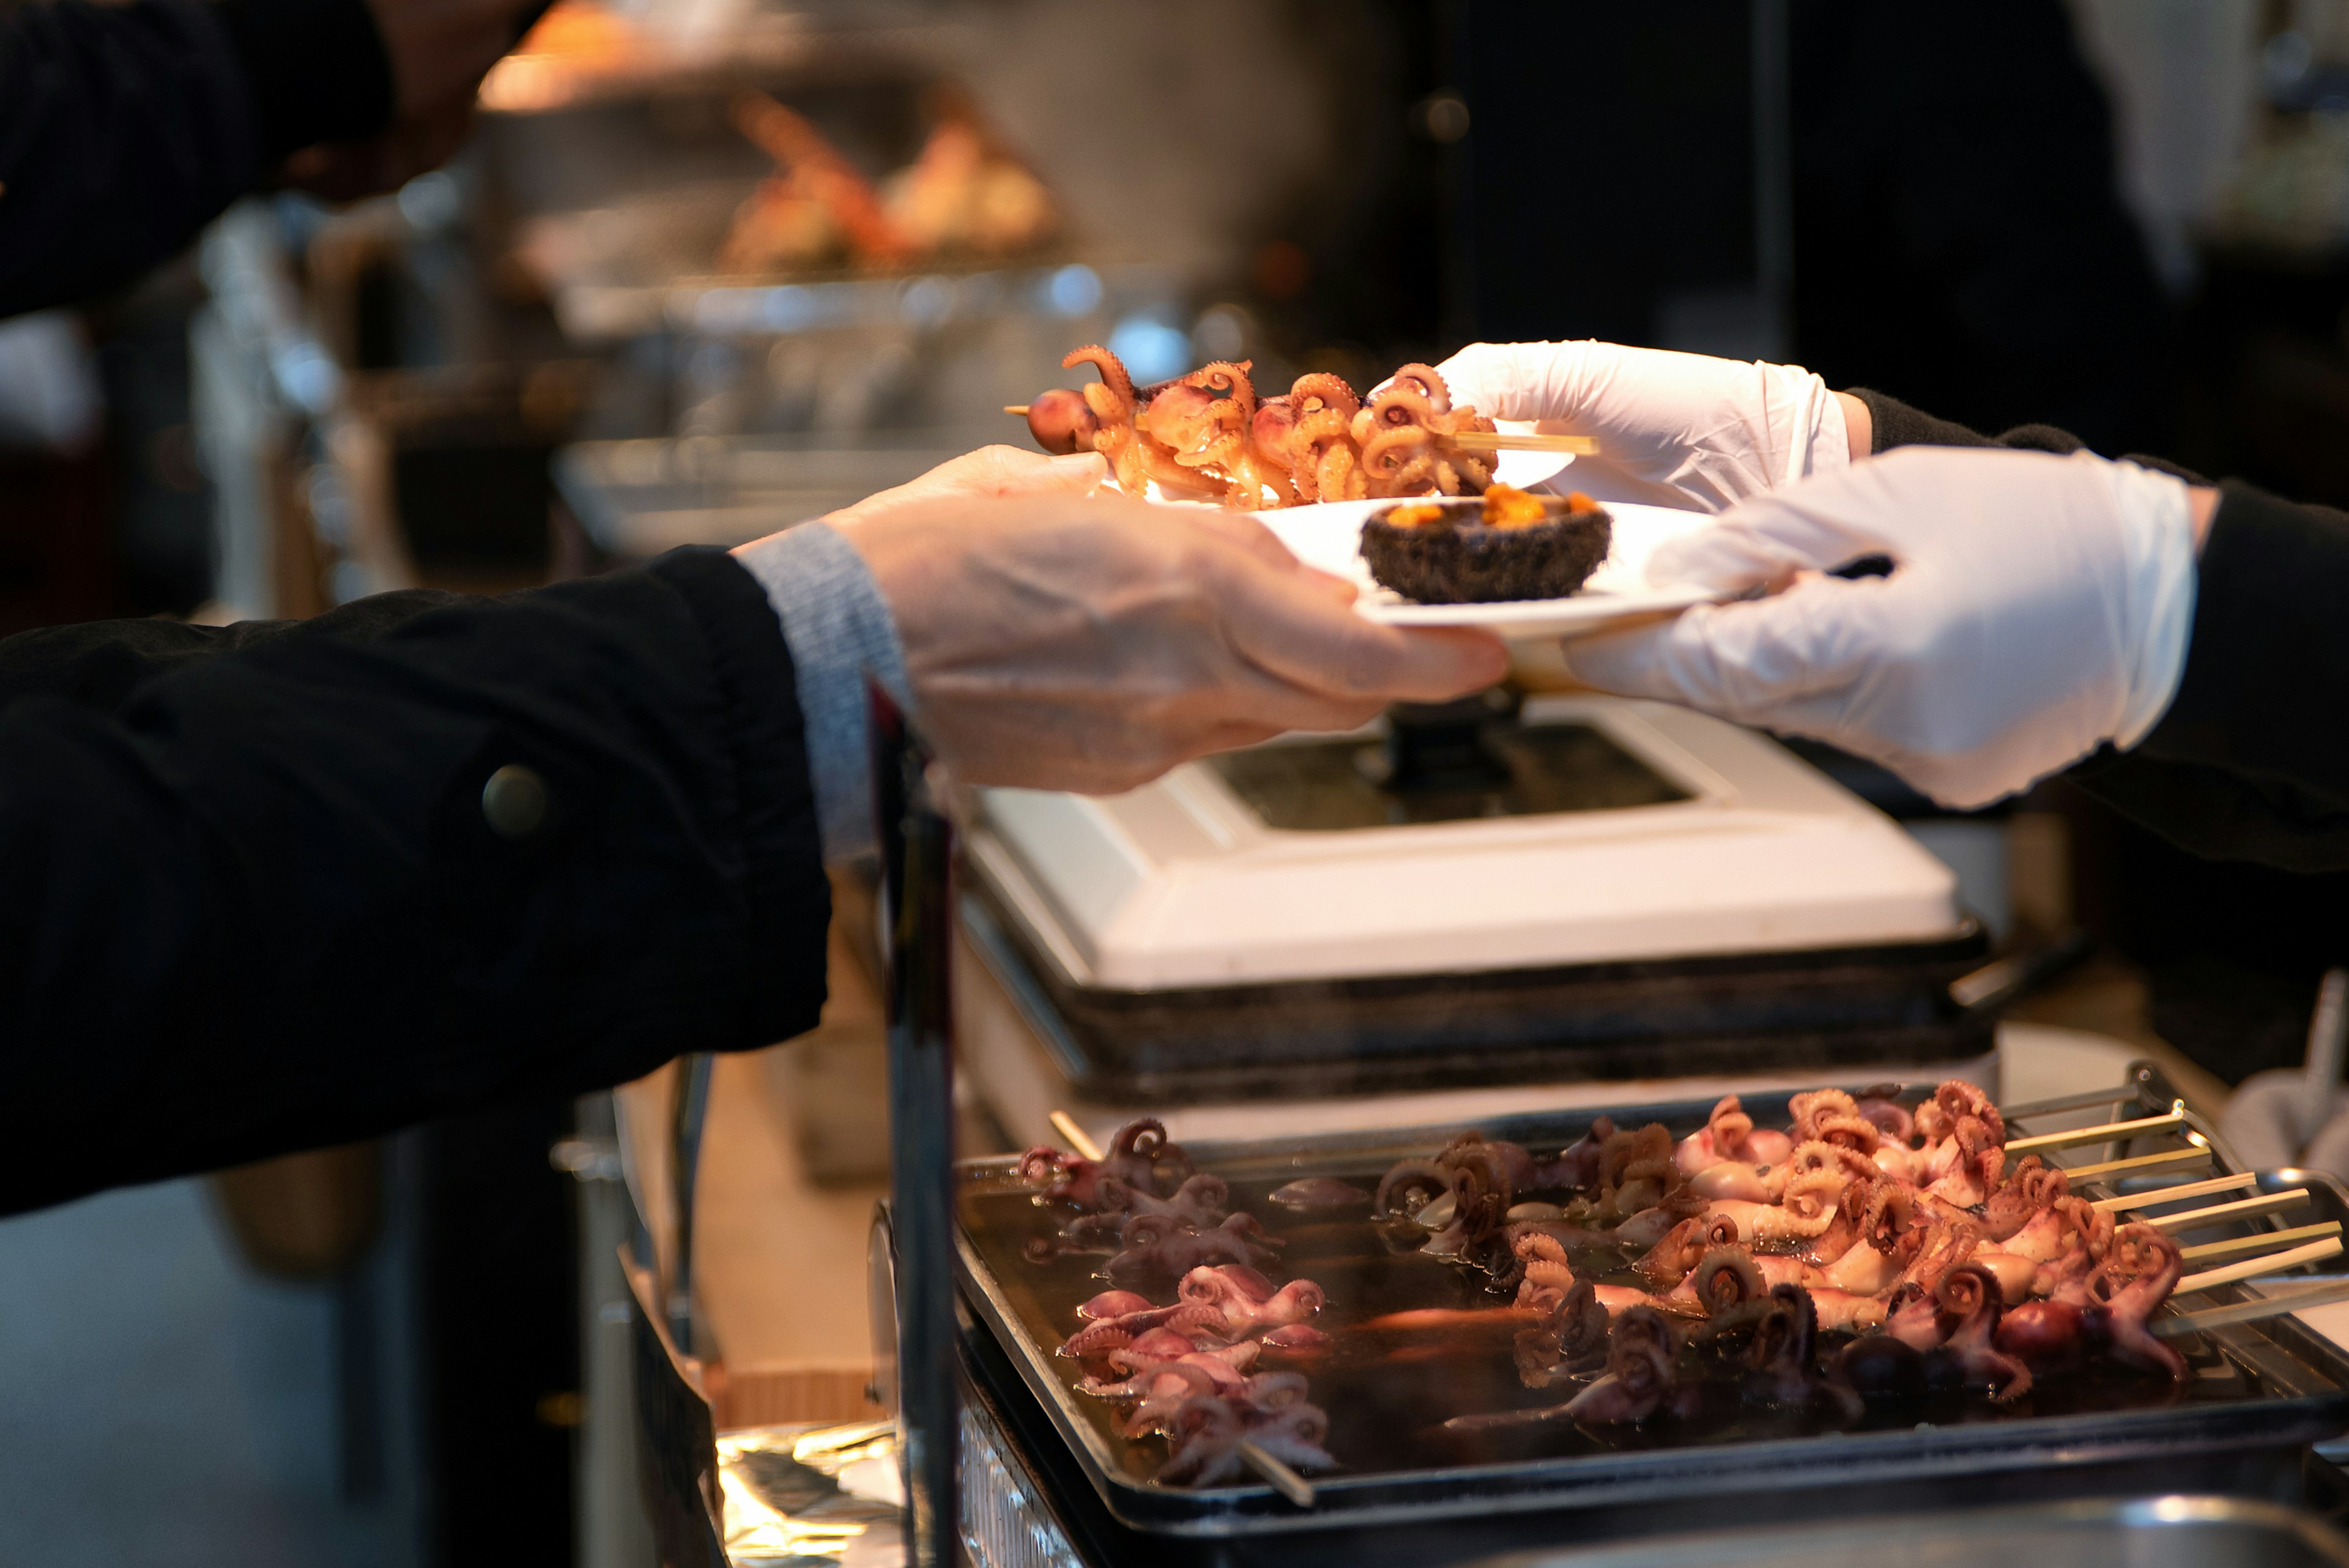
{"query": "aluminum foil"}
{"type": "Point", "coordinates": [804, 1496]}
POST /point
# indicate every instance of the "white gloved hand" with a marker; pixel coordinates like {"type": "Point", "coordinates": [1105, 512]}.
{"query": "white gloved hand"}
{"type": "Point", "coordinates": [2039, 607]}
{"type": "Point", "coordinates": [1673, 430]}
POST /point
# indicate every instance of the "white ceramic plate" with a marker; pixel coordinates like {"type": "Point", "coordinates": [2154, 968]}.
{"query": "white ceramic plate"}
{"type": "Point", "coordinates": [1329, 537]}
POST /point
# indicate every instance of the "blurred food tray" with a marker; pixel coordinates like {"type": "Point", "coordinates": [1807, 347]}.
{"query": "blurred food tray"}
{"type": "Point", "coordinates": [608, 279]}
{"type": "Point", "coordinates": [587, 54]}
{"type": "Point", "coordinates": [638, 498]}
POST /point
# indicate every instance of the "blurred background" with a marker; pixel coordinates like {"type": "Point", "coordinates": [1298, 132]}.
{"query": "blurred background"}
{"type": "Point", "coordinates": [711, 265]}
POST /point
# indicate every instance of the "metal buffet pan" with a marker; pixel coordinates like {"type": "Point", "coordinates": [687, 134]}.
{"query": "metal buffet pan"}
{"type": "Point", "coordinates": [2171, 1532]}
{"type": "Point", "coordinates": [2275, 1387]}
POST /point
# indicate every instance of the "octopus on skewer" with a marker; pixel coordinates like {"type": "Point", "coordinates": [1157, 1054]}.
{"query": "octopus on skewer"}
{"type": "Point", "coordinates": [1903, 1232]}
{"type": "Point", "coordinates": [1739, 1274]}
{"type": "Point", "coordinates": [1398, 431]}
{"type": "Point", "coordinates": [1209, 435]}
{"type": "Point", "coordinates": [1138, 1160]}
{"type": "Point", "coordinates": [1190, 1371]}
{"type": "Point", "coordinates": [1144, 1208]}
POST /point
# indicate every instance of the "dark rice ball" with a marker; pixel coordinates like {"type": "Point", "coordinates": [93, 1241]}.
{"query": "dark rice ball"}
{"type": "Point", "coordinates": [1457, 560]}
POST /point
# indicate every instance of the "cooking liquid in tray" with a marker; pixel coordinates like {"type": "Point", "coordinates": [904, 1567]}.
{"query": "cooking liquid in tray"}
{"type": "Point", "coordinates": [1388, 1393]}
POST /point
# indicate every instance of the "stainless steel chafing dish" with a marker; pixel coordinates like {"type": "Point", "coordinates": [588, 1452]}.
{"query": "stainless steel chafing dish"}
{"type": "Point", "coordinates": [1005, 1466]}
{"type": "Point", "coordinates": [1031, 1437]}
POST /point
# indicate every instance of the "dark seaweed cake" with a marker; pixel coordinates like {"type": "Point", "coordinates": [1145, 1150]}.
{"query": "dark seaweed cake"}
{"type": "Point", "coordinates": [1460, 559]}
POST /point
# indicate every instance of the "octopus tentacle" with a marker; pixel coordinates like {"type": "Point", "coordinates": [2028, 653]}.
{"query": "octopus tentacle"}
{"type": "Point", "coordinates": [1405, 1177]}
{"type": "Point", "coordinates": [1804, 1110]}
{"type": "Point", "coordinates": [1725, 1277]}
{"type": "Point", "coordinates": [1115, 379]}
{"type": "Point", "coordinates": [1640, 1353]}
{"type": "Point", "coordinates": [2137, 1276]}
{"type": "Point", "coordinates": [1428, 382]}
{"type": "Point", "coordinates": [1970, 1293]}
{"type": "Point", "coordinates": [1547, 1277]}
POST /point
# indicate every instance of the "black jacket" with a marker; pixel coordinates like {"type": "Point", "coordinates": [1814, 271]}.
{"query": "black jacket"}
{"type": "Point", "coordinates": [127, 125]}
{"type": "Point", "coordinates": [250, 900]}
{"type": "Point", "coordinates": [2251, 762]}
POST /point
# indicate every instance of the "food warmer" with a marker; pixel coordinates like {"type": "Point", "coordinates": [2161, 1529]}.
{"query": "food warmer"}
{"type": "Point", "coordinates": [1007, 1464]}
{"type": "Point", "coordinates": [1044, 1477]}
{"type": "Point", "coordinates": [1480, 907]}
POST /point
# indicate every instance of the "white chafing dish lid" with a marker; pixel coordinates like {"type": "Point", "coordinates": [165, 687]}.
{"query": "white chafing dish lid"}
{"type": "Point", "coordinates": [1181, 884]}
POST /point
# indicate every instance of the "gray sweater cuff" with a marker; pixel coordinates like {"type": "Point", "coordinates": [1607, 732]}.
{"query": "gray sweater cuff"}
{"type": "Point", "coordinates": [838, 627]}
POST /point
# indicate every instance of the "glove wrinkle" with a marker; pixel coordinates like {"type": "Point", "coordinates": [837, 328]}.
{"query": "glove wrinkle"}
{"type": "Point", "coordinates": [2040, 609]}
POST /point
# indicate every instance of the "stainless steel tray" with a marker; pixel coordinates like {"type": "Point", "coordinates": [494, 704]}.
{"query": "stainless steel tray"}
{"type": "Point", "coordinates": [2173, 1532]}
{"type": "Point", "coordinates": [2253, 1445]}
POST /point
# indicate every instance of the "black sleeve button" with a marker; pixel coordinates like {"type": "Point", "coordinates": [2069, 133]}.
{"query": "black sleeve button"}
{"type": "Point", "coordinates": [514, 803]}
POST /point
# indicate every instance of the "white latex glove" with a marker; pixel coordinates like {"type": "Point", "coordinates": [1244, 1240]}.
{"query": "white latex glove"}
{"type": "Point", "coordinates": [1673, 430]}
{"type": "Point", "coordinates": [2039, 608]}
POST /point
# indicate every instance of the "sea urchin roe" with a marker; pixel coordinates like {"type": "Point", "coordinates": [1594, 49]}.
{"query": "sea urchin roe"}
{"type": "Point", "coordinates": [1415, 515]}
{"type": "Point", "coordinates": [1577, 505]}
{"type": "Point", "coordinates": [1506, 506]}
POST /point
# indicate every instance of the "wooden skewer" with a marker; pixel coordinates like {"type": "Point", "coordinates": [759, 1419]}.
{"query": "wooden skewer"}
{"type": "Point", "coordinates": [1510, 440]}
{"type": "Point", "coordinates": [1066, 1125]}
{"type": "Point", "coordinates": [2315, 1253]}
{"type": "Point", "coordinates": [2188, 1322]}
{"type": "Point", "coordinates": [1020, 409]}
{"type": "Point", "coordinates": [2154, 1195]}
{"type": "Point", "coordinates": [2143, 1165]}
{"type": "Point", "coordinates": [2110, 1132]}
{"type": "Point", "coordinates": [2249, 1208]}
{"type": "Point", "coordinates": [2264, 1242]}
{"type": "Point", "coordinates": [1284, 1481]}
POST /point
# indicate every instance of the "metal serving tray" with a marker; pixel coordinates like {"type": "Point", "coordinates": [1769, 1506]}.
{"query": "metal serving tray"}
{"type": "Point", "coordinates": [2250, 1446]}
{"type": "Point", "coordinates": [2171, 1532]}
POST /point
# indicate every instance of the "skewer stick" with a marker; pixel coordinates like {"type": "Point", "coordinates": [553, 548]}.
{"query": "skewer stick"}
{"type": "Point", "coordinates": [2110, 1132]}
{"type": "Point", "coordinates": [2154, 1195]}
{"type": "Point", "coordinates": [2143, 1165]}
{"type": "Point", "coordinates": [2315, 1253]}
{"type": "Point", "coordinates": [2188, 1322]}
{"type": "Point", "coordinates": [2264, 1242]}
{"type": "Point", "coordinates": [1283, 1479]}
{"type": "Point", "coordinates": [1509, 441]}
{"type": "Point", "coordinates": [2249, 1208]}
{"type": "Point", "coordinates": [1020, 409]}
{"type": "Point", "coordinates": [1066, 1125]}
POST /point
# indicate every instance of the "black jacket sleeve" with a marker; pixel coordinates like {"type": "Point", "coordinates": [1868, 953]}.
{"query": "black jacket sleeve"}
{"type": "Point", "coordinates": [253, 900]}
{"type": "Point", "coordinates": [127, 125]}
{"type": "Point", "coordinates": [2252, 761]}
{"type": "Point", "coordinates": [2249, 763]}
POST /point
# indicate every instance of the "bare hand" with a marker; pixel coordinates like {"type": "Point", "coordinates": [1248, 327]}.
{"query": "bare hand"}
{"type": "Point", "coordinates": [1062, 642]}
{"type": "Point", "coordinates": [990, 472]}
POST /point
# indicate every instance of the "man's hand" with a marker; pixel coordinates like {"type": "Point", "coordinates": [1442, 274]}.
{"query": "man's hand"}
{"type": "Point", "coordinates": [992, 472]}
{"type": "Point", "coordinates": [1062, 642]}
{"type": "Point", "coordinates": [2038, 608]}
{"type": "Point", "coordinates": [1673, 430]}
